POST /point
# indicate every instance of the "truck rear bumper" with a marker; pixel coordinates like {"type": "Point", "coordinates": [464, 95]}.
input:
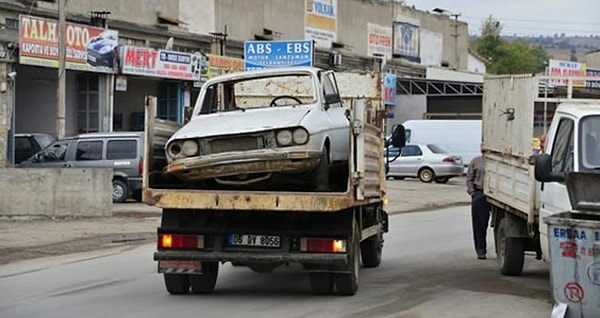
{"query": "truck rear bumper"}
{"type": "Point", "coordinates": [303, 258]}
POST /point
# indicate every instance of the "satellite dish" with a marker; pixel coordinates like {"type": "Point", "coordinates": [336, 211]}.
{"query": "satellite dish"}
{"type": "Point", "coordinates": [169, 45]}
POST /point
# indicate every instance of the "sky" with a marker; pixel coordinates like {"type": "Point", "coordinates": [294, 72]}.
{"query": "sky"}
{"type": "Point", "coordinates": [524, 17]}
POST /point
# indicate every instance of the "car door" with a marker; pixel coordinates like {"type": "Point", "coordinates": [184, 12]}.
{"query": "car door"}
{"type": "Point", "coordinates": [54, 156]}
{"type": "Point", "coordinates": [339, 126]}
{"type": "Point", "coordinates": [87, 154]}
{"type": "Point", "coordinates": [121, 155]}
{"type": "Point", "coordinates": [409, 161]}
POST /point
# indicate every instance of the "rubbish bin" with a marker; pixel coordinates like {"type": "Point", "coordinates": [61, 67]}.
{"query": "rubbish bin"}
{"type": "Point", "coordinates": [574, 246]}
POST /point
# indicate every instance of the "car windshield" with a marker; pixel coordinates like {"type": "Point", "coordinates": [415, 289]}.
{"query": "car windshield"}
{"type": "Point", "coordinates": [259, 92]}
{"type": "Point", "coordinates": [54, 152]}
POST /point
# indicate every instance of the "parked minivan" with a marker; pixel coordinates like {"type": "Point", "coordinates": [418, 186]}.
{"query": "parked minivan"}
{"type": "Point", "coordinates": [121, 151]}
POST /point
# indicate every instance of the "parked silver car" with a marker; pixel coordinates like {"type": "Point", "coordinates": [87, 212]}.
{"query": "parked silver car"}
{"type": "Point", "coordinates": [428, 162]}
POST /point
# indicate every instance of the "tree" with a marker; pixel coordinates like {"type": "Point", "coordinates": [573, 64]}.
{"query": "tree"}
{"type": "Point", "coordinates": [508, 57]}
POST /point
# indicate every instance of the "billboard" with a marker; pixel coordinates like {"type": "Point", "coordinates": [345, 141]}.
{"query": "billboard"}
{"type": "Point", "coordinates": [320, 22]}
{"type": "Point", "coordinates": [218, 65]}
{"type": "Point", "coordinates": [147, 61]}
{"type": "Point", "coordinates": [271, 54]}
{"type": "Point", "coordinates": [562, 68]}
{"type": "Point", "coordinates": [406, 40]}
{"type": "Point", "coordinates": [87, 48]}
{"type": "Point", "coordinates": [379, 40]}
{"type": "Point", "coordinates": [593, 73]}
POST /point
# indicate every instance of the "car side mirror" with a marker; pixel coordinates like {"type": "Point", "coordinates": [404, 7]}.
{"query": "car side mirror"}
{"type": "Point", "coordinates": [398, 136]}
{"type": "Point", "coordinates": [543, 170]}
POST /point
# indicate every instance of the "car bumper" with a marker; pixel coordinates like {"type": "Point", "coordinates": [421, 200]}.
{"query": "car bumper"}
{"type": "Point", "coordinates": [224, 165]}
{"type": "Point", "coordinates": [448, 171]}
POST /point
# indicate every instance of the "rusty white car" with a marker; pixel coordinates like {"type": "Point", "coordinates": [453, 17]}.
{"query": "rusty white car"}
{"type": "Point", "coordinates": [264, 127]}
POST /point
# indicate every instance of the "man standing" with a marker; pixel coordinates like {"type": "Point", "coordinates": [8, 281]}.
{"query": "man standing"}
{"type": "Point", "coordinates": [480, 209]}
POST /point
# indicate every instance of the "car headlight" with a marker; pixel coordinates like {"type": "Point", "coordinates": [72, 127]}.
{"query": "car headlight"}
{"type": "Point", "coordinates": [300, 136]}
{"type": "Point", "coordinates": [284, 137]}
{"type": "Point", "coordinates": [189, 148]}
{"type": "Point", "coordinates": [174, 149]}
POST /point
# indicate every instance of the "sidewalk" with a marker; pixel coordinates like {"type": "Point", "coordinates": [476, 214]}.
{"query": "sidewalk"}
{"type": "Point", "coordinates": [136, 223]}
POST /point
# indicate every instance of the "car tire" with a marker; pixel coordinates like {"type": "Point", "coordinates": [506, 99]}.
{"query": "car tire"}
{"type": "Point", "coordinates": [177, 284]}
{"type": "Point", "coordinates": [347, 283]}
{"type": "Point", "coordinates": [205, 282]}
{"type": "Point", "coordinates": [321, 173]}
{"type": "Point", "coordinates": [120, 191]}
{"type": "Point", "coordinates": [426, 175]}
{"type": "Point", "coordinates": [441, 179]}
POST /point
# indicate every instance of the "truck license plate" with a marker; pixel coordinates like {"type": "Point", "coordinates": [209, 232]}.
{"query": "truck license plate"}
{"type": "Point", "coordinates": [254, 240]}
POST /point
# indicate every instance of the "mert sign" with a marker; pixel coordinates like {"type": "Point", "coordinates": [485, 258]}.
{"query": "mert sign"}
{"type": "Point", "coordinates": [272, 54]}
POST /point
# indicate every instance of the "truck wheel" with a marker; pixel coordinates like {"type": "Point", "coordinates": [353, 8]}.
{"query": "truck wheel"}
{"type": "Point", "coordinates": [205, 282]}
{"type": "Point", "coordinates": [370, 251]}
{"type": "Point", "coordinates": [321, 282]}
{"type": "Point", "coordinates": [511, 252]}
{"type": "Point", "coordinates": [120, 192]}
{"type": "Point", "coordinates": [177, 284]}
{"type": "Point", "coordinates": [426, 175]}
{"type": "Point", "coordinates": [321, 173]}
{"type": "Point", "coordinates": [347, 283]}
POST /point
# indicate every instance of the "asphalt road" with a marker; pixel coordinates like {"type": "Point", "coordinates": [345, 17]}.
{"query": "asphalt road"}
{"type": "Point", "coordinates": [429, 269]}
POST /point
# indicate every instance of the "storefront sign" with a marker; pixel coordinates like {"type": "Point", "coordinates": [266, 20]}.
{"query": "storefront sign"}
{"type": "Point", "coordinates": [320, 22]}
{"type": "Point", "coordinates": [379, 40]}
{"type": "Point", "coordinates": [561, 68]}
{"type": "Point", "coordinates": [87, 48]}
{"type": "Point", "coordinates": [218, 65]}
{"type": "Point", "coordinates": [121, 83]}
{"type": "Point", "coordinates": [147, 61]}
{"type": "Point", "coordinates": [595, 73]}
{"type": "Point", "coordinates": [407, 40]}
{"type": "Point", "coordinates": [271, 54]}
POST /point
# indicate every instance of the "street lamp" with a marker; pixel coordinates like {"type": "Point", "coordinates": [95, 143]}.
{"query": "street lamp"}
{"type": "Point", "coordinates": [455, 35]}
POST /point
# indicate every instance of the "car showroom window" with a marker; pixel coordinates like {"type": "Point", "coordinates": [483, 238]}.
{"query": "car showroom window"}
{"type": "Point", "coordinates": [89, 150]}
{"type": "Point", "coordinates": [121, 149]}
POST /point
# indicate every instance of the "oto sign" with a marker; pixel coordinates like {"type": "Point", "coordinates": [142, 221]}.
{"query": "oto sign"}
{"type": "Point", "coordinates": [272, 54]}
{"type": "Point", "coordinates": [87, 48]}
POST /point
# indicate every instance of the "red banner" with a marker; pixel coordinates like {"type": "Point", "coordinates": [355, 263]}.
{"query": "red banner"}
{"type": "Point", "coordinates": [87, 48]}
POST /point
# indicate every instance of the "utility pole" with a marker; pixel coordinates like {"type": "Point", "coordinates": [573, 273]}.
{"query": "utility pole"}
{"type": "Point", "coordinates": [61, 89]}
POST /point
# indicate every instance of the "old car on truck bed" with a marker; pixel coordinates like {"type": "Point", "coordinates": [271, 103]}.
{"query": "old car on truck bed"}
{"type": "Point", "coordinates": [264, 128]}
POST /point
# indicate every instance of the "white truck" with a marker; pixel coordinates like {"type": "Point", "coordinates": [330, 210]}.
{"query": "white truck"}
{"type": "Point", "coordinates": [517, 109]}
{"type": "Point", "coordinates": [223, 179]}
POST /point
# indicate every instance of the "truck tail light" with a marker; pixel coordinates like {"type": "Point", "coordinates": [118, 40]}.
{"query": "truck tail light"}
{"type": "Point", "coordinates": [322, 245]}
{"type": "Point", "coordinates": [179, 241]}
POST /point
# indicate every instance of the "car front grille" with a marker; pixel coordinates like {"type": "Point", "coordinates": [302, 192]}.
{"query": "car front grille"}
{"type": "Point", "coordinates": [236, 144]}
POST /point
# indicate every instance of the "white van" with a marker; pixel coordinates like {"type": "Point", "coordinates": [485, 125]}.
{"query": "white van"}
{"type": "Point", "coordinates": [458, 136]}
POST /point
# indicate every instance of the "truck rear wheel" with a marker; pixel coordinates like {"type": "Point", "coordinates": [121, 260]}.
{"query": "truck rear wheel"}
{"type": "Point", "coordinates": [205, 283]}
{"type": "Point", "coordinates": [511, 251]}
{"type": "Point", "coordinates": [177, 284]}
{"type": "Point", "coordinates": [347, 283]}
{"type": "Point", "coordinates": [321, 282]}
{"type": "Point", "coordinates": [371, 250]}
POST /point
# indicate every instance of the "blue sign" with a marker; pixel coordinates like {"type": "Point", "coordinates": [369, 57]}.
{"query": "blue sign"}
{"type": "Point", "coordinates": [389, 89]}
{"type": "Point", "coordinates": [272, 54]}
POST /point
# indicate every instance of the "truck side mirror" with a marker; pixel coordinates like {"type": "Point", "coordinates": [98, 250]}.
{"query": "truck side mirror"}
{"type": "Point", "coordinates": [543, 170]}
{"type": "Point", "coordinates": [398, 136]}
